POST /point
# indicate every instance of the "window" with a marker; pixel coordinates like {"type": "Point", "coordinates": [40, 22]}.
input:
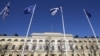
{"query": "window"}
{"type": "Point", "coordinates": [2, 55]}
{"type": "Point", "coordinates": [75, 41]}
{"type": "Point", "coordinates": [80, 41]}
{"type": "Point", "coordinates": [40, 47]}
{"type": "Point", "coordinates": [81, 47]}
{"type": "Point", "coordinates": [89, 41]}
{"type": "Point", "coordinates": [13, 47]}
{"type": "Point", "coordinates": [52, 54]}
{"type": "Point", "coordinates": [40, 40]}
{"type": "Point", "coordinates": [76, 47]}
{"type": "Point", "coordinates": [59, 41]}
{"type": "Point", "coordinates": [20, 47]}
{"type": "Point", "coordinates": [60, 55]}
{"type": "Point", "coordinates": [52, 40]}
{"type": "Point", "coordinates": [33, 48]}
{"type": "Point", "coordinates": [46, 48]}
{"type": "Point", "coordinates": [99, 54]}
{"type": "Point", "coordinates": [28, 40]}
{"type": "Point", "coordinates": [32, 55]}
{"type": "Point", "coordinates": [34, 40]}
{"type": "Point", "coordinates": [39, 54]}
{"type": "Point", "coordinates": [83, 54]}
{"type": "Point", "coordinates": [52, 47]}
{"type": "Point", "coordinates": [78, 55]}
{"type": "Point", "coordinates": [18, 55]}
{"type": "Point", "coordinates": [26, 47]}
{"type": "Point", "coordinates": [10, 54]}
{"type": "Point", "coordinates": [70, 41]}
{"type": "Point", "coordinates": [46, 54]}
{"type": "Point", "coordinates": [5, 47]}
{"type": "Point", "coordinates": [72, 54]}
{"type": "Point", "coordinates": [89, 55]}
{"type": "Point", "coordinates": [94, 41]}
{"type": "Point", "coordinates": [85, 41]}
{"type": "Point", "coordinates": [59, 48]}
{"type": "Point", "coordinates": [2, 39]}
{"type": "Point", "coordinates": [16, 40]}
{"type": "Point", "coordinates": [9, 40]}
{"type": "Point", "coordinates": [46, 40]}
{"type": "Point", "coordinates": [22, 40]}
{"type": "Point", "coordinates": [25, 55]}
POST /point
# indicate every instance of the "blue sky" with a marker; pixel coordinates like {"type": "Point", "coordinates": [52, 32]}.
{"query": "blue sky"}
{"type": "Point", "coordinates": [75, 20]}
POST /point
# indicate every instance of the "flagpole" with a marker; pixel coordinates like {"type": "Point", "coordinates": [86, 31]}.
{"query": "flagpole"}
{"type": "Point", "coordinates": [64, 30]}
{"type": "Point", "coordinates": [4, 8]}
{"type": "Point", "coordinates": [22, 54]}
{"type": "Point", "coordinates": [91, 27]}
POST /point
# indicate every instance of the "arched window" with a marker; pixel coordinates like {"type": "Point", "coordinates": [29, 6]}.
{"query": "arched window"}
{"type": "Point", "coordinates": [34, 40]}
{"type": "Point", "coordinates": [9, 40]}
{"type": "Point", "coordinates": [70, 41]}
{"type": "Point", "coordinates": [28, 40]}
{"type": "Point", "coordinates": [22, 40]}
{"type": "Point", "coordinates": [80, 41]}
{"type": "Point", "coordinates": [40, 40]}
{"type": "Point", "coordinates": [85, 41]}
{"type": "Point", "coordinates": [16, 40]}
{"type": "Point", "coordinates": [59, 41]}
{"type": "Point", "coordinates": [13, 47]}
{"type": "Point", "coordinates": [46, 40]}
{"type": "Point", "coordinates": [2, 39]}
{"type": "Point", "coordinates": [75, 41]}
{"type": "Point", "coordinates": [52, 40]}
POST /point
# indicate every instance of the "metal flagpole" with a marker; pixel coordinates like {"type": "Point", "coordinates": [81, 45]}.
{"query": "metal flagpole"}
{"type": "Point", "coordinates": [91, 27]}
{"type": "Point", "coordinates": [22, 54]}
{"type": "Point", "coordinates": [66, 48]}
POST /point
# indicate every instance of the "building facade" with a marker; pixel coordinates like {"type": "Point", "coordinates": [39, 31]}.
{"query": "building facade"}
{"type": "Point", "coordinates": [49, 44]}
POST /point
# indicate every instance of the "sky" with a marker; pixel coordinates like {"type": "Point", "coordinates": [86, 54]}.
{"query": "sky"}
{"type": "Point", "coordinates": [74, 17]}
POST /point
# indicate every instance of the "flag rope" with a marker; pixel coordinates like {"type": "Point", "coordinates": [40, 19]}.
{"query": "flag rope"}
{"type": "Point", "coordinates": [22, 54]}
{"type": "Point", "coordinates": [91, 27]}
{"type": "Point", "coordinates": [66, 47]}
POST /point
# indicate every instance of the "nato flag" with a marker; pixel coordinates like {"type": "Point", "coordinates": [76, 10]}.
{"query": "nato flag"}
{"type": "Point", "coordinates": [28, 10]}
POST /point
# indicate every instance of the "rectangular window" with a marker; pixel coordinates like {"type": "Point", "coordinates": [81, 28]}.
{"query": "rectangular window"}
{"type": "Point", "coordinates": [32, 54]}
{"type": "Point", "coordinates": [40, 47]}
{"type": "Point", "coordinates": [52, 47]}
{"type": "Point", "coordinates": [20, 47]}
{"type": "Point", "coordinates": [6, 46]}
{"type": "Point", "coordinates": [18, 55]}
{"type": "Point", "coordinates": [46, 54]}
{"type": "Point", "coordinates": [13, 47]}
{"type": "Point", "coordinates": [59, 48]}
{"type": "Point", "coordinates": [26, 47]}
{"type": "Point", "coordinates": [2, 55]}
{"type": "Point", "coordinates": [10, 54]}
{"type": "Point", "coordinates": [39, 54]}
{"type": "Point", "coordinates": [33, 48]}
{"type": "Point", "coordinates": [52, 54]}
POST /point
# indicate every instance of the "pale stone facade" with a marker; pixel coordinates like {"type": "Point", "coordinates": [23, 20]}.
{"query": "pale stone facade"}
{"type": "Point", "coordinates": [49, 44]}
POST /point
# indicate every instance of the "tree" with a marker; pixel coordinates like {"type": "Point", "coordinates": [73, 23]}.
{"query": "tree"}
{"type": "Point", "coordinates": [76, 36]}
{"type": "Point", "coordinates": [15, 34]}
{"type": "Point", "coordinates": [4, 34]}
